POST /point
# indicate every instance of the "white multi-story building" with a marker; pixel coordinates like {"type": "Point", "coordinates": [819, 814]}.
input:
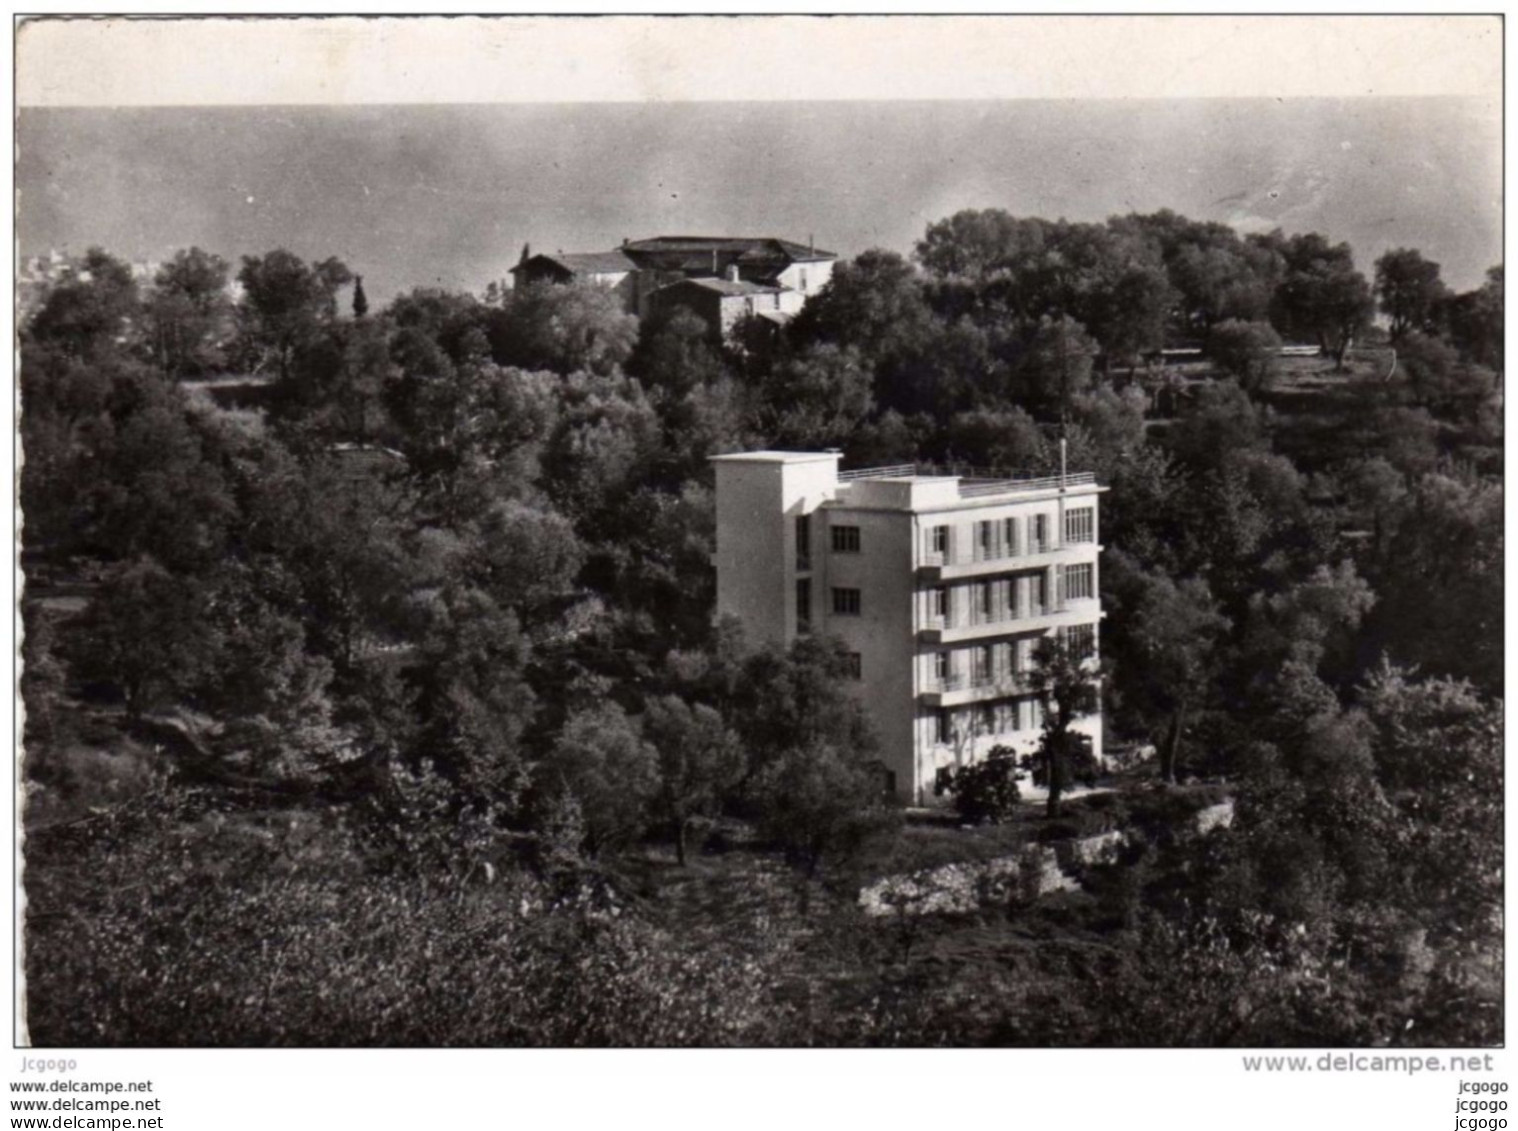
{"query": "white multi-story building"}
{"type": "Point", "coordinates": [938, 586]}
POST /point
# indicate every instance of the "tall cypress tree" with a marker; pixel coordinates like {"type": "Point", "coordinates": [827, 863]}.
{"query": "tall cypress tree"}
{"type": "Point", "coordinates": [360, 300]}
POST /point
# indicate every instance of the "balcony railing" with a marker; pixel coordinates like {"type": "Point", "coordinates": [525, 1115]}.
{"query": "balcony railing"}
{"type": "Point", "coordinates": [980, 555]}
{"type": "Point", "coordinates": [935, 627]}
{"type": "Point", "coordinates": [975, 687]}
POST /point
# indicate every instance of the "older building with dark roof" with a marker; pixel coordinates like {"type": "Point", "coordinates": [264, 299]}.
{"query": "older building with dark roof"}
{"type": "Point", "coordinates": [734, 276]}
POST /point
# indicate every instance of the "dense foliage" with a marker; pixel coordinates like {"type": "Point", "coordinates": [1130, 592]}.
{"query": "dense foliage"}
{"type": "Point", "coordinates": [363, 682]}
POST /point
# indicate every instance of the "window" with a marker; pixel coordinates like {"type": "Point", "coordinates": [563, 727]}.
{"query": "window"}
{"type": "Point", "coordinates": [939, 605]}
{"type": "Point", "coordinates": [854, 664]}
{"type": "Point", "coordinates": [941, 540]}
{"type": "Point", "coordinates": [987, 540]}
{"type": "Point", "coordinates": [1080, 639]}
{"type": "Point", "coordinates": [845, 539]}
{"type": "Point", "coordinates": [1009, 536]}
{"type": "Point", "coordinates": [803, 541]}
{"type": "Point", "coordinates": [1040, 533]}
{"type": "Point", "coordinates": [803, 604]}
{"type": "Point", "coordinates": [1006, 717]}
{"type": "Point", "coordinates": [941, 666]}
{"type": "Point", "coordinates": [988, 718]}
{"type": "Point", "coordinates": [983, 663]}
{"type": "Point", "coordinates": [1079, 582]}
{"type": "Point", "coordinates": [985, 603]}
{"type": "Point", "coordinates": [846, 602]}
{"type": "Point", "coordinates": [1080, 524]}
{"type": "Point", "coordinates": [945, 728]}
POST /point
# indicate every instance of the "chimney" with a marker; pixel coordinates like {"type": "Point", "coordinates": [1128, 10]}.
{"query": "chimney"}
{"type": "Point", "coordinates": [732, 273]}
{"type": "Point", "coordinates": [625, 241]}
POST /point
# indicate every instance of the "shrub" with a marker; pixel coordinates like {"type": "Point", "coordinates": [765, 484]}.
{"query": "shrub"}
{"type": "Point", "coordinates": [253, 929]}
{"type": "Point", "coordinates": [985, 791]}
{"type": "Point", "coordinates": [1248, 350]}
{"type": "Point", "coordinates": [1081, 765]}
{"type": "Point", "coordinates": [1062, 828]}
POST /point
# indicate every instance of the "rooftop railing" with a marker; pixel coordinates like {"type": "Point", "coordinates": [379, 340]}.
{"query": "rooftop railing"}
{"type": "Point", "coordinates": [974, 481]}
{"type": "Point", "coordinates": [895, 471]}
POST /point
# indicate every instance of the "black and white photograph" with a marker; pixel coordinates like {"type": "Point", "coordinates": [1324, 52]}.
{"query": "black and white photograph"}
{"type": "Point", "coordinates": [677, 532]}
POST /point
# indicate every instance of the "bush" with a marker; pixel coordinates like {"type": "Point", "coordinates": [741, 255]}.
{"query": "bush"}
{"type": "Point", "coordinates": [1081, 765]}
{"type": "Point", "coordinates": [172, 928]}
{"type": "Point", "coordinates": [985, 791]}
{"type": "Point", "coordinates": [1062, 828]}
{"type": "Point", "coordinates": [1248, 350]}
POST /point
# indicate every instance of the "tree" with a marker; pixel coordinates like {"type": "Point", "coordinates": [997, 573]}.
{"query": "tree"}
{"type": "Point", "coordinates": [675, 353]}
{"type": "Point", "coordinates": [1321, 295]}
{"type": "Point", "coordinates": [1474, 320]}
{"type": "Point", "coordinates": [1219, 421]}
{"type": "Point", "coordinates": [1172, 643]}
{"type": "Point", "coordinates": [1008, 439]}
{"type": "Point", "coordinates": [699, 760]}
{"type": "Point", "coordinates": [978, 244]}
{"type": "Point", "coordinates": [818, 800]}
{"type": "Point", "coordinates": [1446, 540]}
{"type": "Point", "coordinates": [815, 399]}
{"type": "Point", "coordinates": [602, 760]}
{"type": "Point", "coordinates": [1438, 753]}
{"type": "Point", "coordinates": [189, 313]}
{"type": "Point", "coordinates": [1409, 290]}
{"type": "Point", "coordinates": [91, 312]}
{"type": "Point", "coordinates": [147, 635]}
{"type": "Point", "coordinates": [1438, 380]}
{"type": "Point", "coordinates": [875, 302]}
{"type": "Point", "coordinates": [783, 700]}
{"type": "Point", "coordinates": [1248, 350]}
{"type": "Point", "coordinates": [473, 704]}
{"type": "Point", "coordinates": [566, 328]}
{"type": "Point", "coordinates": [1063, 679]}
{"type": "Point", "coordinates": [603, 445]}
{"type": "Point", "coordinates": [430, 320]}
{"type": "Point", "coordinates": [285, 302]}
{"type": "Point", "coordinates": [526, 557]}
{"type": "Point", "coordinates": [1057, 366]}
{"type": "Point", "coordinates": [1128, 318]}
{"type": "Point", "coordinates": [360, 300]}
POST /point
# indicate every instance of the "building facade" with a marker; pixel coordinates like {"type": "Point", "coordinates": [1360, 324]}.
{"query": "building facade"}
{"type": "Point", "coordinates": [733, 276]}
{"type": "Point", "coordinates": [938, 586]}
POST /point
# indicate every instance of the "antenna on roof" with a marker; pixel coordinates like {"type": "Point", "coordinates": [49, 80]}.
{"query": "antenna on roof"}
{"type": "Point", "coordinates": [526, 253]}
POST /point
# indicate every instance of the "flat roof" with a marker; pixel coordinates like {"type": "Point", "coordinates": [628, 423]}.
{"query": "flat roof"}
{"type": "Point", "coordinates": [777, 457]}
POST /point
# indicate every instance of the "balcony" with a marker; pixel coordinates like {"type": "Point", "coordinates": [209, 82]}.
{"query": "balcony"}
{"type": "Point", "coordinates": [940, 630]}
{"type": "Point", "coordinates": [956, 691]}
{"type": "Point", "coordinates": [949, 567]}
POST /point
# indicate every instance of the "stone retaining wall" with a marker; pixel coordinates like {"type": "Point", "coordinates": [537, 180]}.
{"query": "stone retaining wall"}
{"type": "Point", "coordinates": [1033, 872]}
